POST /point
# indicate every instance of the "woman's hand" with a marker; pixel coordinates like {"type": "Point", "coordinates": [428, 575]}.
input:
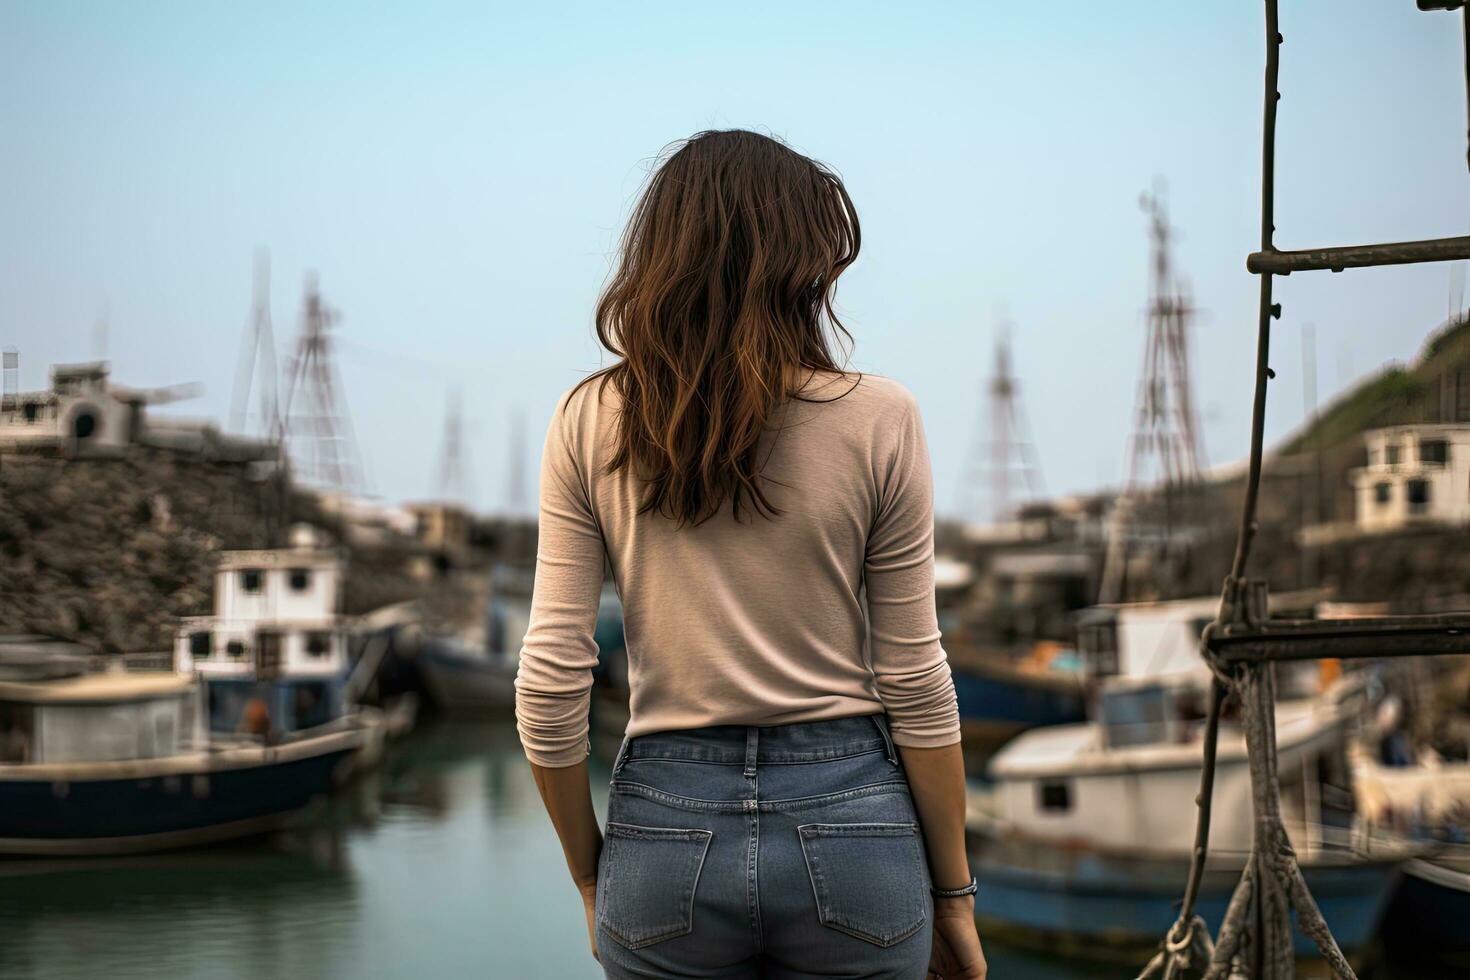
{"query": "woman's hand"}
{"type": "Point", "coordinates": [957, 954]}
{"type": "Point", "coordinates": [589, 904]}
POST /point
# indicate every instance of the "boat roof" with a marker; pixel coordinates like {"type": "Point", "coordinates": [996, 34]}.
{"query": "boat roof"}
{"type": "Point", "coordinates": [103, 688]}
{"type": "Point", "coordinates": [277, 558]}
{"type": "Point", "coordinates": [1074, 750]}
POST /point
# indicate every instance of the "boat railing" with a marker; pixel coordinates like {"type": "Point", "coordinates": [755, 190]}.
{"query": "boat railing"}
{"type": "Point", "coordinates": [148, 662]}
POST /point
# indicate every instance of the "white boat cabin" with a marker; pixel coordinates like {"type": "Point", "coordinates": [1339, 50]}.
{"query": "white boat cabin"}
{"type": "Point", "coordinates": [1127, 781]}
{"type": "Point", "coordinates": [1160, 640]}
{"type": "Point", "coordinates": [106, 717]}
{"type": "Point", "coordinates": [1145, 639]}
{"type": "Point", "coordinates": [275, 614]}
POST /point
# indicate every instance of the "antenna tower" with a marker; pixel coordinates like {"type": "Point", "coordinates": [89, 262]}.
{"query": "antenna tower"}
{"type": "Point", "coordinates": [315, 427]}
{"type": "Point", "coordinates": [257, 346]}
{"type": "Point", "coordinates": [454, 478]}
{"type": "Point", "coordinates": [1007, 457]}
{"type": "Point", "coordinates": [1164, 449]}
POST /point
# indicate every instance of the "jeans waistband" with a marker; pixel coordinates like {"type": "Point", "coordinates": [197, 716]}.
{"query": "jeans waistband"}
{"type": "Point", "coordinates": [751, 745]}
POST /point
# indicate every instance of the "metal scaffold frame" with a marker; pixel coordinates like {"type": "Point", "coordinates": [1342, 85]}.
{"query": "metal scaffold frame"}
{"type": "Point", "coordinates": [1255, 938]}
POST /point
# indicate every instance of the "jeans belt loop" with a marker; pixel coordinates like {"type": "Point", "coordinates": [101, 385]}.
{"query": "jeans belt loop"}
{"type": "Point", "coordinates": [752, 745]}
{"type": "Point", "coordinates": [881, 721]}
{"type": "Point", "coordinates": [621, 757]}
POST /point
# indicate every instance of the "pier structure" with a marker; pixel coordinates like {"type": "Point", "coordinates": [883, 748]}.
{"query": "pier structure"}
{"type": "Point", "coordinates": [1243, 642]}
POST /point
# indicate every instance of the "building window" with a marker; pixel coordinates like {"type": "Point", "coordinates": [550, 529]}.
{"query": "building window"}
{"type": "Point", "coordinates": [1392, 455]}
{"type": "Point", "coordinates": [250, 580]}
{"type": "Point", "coordinates": [1418, 496]}
{"type": "Point", "coordinates": [299, 579]}
{"type": "Point", "coordinates": [84, 426]}
{"type": "Point", "coordinates": [31, 411]}
{"type": "Point", "coordinates": [200, 644]}
{"type": "Point", "coordinates": [1434, 451]}
{"type": "Point", "coordinates": [1055, 797]}
{"type": "Point", "coordinates": [1382, 493]}
{"type": "Point", "coordinates": [318, 645]}
{"type": "Point", "coordinates": [235, 649]}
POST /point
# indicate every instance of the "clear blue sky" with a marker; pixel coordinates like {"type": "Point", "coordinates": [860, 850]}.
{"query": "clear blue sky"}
{"type": "Point", "coordinates": [458, 174]}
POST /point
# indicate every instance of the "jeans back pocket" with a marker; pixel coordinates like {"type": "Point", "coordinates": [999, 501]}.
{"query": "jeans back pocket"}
{"type": "Point", "coordinates": [869, 879]}
{"type": "Point", "coordinates": [645, 891]}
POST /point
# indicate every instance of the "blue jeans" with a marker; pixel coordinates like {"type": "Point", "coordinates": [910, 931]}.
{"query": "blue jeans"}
{"type": "Point", "coordinates": [788, 851]}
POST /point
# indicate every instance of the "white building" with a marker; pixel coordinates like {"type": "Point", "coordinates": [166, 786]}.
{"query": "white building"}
{"type": "Point", "coordinates": [1415, 474]}
{"type": "Point", "coordinates": [85, 414]}
{"type": "Point", "coordinates": [81, 413]}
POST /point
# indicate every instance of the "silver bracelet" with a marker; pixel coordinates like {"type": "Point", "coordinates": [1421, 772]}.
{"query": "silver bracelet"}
{"type": "Point", "coordinates": [970, 889]}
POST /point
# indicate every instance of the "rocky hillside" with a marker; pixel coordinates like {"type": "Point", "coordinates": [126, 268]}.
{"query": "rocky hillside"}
{"type": "Point", "coordinates": [108, 552]}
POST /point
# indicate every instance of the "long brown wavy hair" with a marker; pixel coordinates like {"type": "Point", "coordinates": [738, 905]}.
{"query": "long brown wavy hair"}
{"type": "Point", "coordinates": [720, 301]}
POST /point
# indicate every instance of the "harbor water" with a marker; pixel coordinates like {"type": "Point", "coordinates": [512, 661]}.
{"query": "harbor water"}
{"type": "Point", "coordinates": [440, 865]}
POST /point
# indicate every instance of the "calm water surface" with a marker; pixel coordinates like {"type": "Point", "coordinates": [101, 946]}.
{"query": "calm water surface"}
{"type": "Point", "coordinates": [441, 866]}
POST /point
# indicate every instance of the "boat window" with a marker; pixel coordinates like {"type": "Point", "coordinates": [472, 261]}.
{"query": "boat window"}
{"type": "Point", "coordinates": [318, 644]}
{"type": "Point", "coordinates": [1382, 493]}
{"type": "Point", "coordinates": [199, 644]}
{"type": "Point", "coordinates": [16, 733]}
{"type": "Point", "coordinates": [1135, 717]}
{"type": "Point", "coordinates": [1418, 496]}
{"type": "Point", "coordinates": [1433, 451]}
{"type": "Point", "coordinates": [299, 579]}
{"type": "Point", "coordinates": [250, 580]}
{"type": "Point", "coordinates": [311, 706]}
{"type": "Point", "coordinates": [267, 653]}
{"type": "Point", "coordinates": [1392, 455]}
{"type": "Point", "coordinates": [1055, 796]}
{"type": "Point", "coordinates": [110, 732]}
{"type": "Point", "coordinates": [235, 649]}
{"type": "Point", "coordinates": [1099, 643]}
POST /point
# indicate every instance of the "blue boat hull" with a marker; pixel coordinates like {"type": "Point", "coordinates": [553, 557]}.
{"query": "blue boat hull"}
{"type": "Point", "coordinates": [137, 813]}
{"type": "Point", "coordinates": [1094, 902]}
{"type": "Point", "coordinates": [998, 702]}
{"type": "Point", "coordinates": [1431, 913]}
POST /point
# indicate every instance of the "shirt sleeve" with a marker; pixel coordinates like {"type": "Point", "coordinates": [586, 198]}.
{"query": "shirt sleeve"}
{"type": "Point", "coordinates": [554, 679]}
{"type": "Point", "coordinates": [910, 668]}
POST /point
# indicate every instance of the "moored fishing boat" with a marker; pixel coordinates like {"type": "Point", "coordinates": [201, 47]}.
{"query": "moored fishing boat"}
{"type": "Point", "coordinates": [1000, 697]}
{"type": "Point", "coordinates": [463, 678]}
{"type": "Point", "coordinates": [1426, 797]}
{"type": "Point", "coordinates": [115, 763]}
{"type": "Point", "coordinates": [1085, 840]}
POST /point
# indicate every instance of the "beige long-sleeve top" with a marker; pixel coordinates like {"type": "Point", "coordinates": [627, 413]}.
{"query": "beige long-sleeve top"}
{"type": "Point", "coordinates": [824, 612]}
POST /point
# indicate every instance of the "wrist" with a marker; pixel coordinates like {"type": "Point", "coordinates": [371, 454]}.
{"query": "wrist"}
{"type": "Point", "coordinates": [965, 886]}
{"type": "Point", "coordinates": [956, 908]}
